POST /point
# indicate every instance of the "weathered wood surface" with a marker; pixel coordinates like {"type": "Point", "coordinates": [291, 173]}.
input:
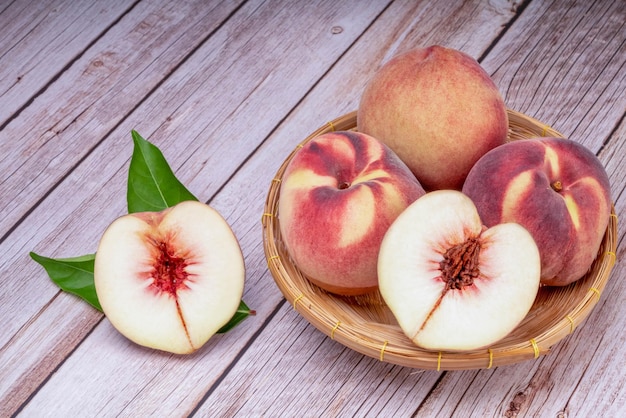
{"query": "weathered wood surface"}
{"type": "Point", "coordinates": [226, 90]}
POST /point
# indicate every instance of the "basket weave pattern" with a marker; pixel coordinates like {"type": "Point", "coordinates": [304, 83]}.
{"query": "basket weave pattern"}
{"type": "Point", "coordinates": [366, 325]}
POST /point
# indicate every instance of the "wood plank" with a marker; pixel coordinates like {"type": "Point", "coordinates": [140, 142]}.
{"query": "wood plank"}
{"type": "Point", "coordinates": [197, 117]}
{"type": "Point", "coordinates": [587, 365]}
{"type": "Point", "coordinates": [39, 39]}
{"type": "Point", "coordinates": [91, 97]}
{"type": "Point", "coordinates": [293, 367]}
{"type": "Point", "coordinates": [577, 86]}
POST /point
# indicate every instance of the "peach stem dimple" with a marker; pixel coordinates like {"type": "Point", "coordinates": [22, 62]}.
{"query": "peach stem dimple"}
{"type": "Point", "coordinates": [557, 186]}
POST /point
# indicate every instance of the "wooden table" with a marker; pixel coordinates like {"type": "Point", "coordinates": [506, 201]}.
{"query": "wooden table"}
{"type": "Point", "coordinates": [226, 90]}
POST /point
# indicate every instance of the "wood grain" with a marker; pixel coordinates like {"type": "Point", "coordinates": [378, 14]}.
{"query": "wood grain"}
{"type": "Point", "coordinates": [576, 78]}
{"type": "Point", "coordinates": [98, 91]}
{"type": "Point", "coordinates": [226, 90]}
{"type": "Point", "coordinates": [40, 39]}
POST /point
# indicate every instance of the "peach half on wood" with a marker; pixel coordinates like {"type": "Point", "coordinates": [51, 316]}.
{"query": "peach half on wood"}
{"type": "Point", "coordinates": [339, 194]}
{"type": "Point", "coordinates": [557, 189]}
{"type": "Point", "coordinates": [169, 280]}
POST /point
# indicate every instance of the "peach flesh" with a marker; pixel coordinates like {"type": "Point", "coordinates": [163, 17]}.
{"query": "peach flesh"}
{"type": "Point", "coordinates": [169, 280]}
{"type": "Point", "coordinates": [451, 283]}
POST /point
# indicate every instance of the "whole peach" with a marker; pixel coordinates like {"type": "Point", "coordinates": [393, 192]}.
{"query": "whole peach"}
{"type": "Point", "coordinates": [338, 196]}
{"type": "Point", "coordinates": [557, 189]}
{"type": "Point", "coordinates": [438, 110]}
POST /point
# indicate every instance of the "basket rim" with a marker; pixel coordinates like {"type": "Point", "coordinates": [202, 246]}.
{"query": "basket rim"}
{"type": "Point", "coordinates": [390, 344]}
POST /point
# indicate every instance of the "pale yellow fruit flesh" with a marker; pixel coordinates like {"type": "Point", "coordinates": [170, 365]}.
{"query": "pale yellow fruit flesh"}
{"type": "Point", "coordinates": [410, 278]}
{"type": "Point", "coordinates": [179, 321]}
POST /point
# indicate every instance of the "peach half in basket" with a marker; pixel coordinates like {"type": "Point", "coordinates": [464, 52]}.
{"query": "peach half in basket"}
{"type": "Point", "coordinates": [451, 283]}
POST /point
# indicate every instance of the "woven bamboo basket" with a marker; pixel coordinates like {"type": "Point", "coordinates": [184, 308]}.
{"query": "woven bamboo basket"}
{"type": "Point", "coordinates": [366, 325]}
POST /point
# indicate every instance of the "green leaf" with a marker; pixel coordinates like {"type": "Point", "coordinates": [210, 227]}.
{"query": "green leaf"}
{"type": "Point", "coordinates": [152, 185]}
{"type": "Point", "coordinates": [73, 275]}
{"type": "Point", "coordinates": [242, 313]}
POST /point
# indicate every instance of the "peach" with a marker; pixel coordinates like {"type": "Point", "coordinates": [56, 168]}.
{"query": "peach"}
{"type": "Point", "coordinates": [557, 189]}
{"type": "Point", "coordinates": [170, 280]}
{"type": "Point", "coordinates": [451, 283]}
{"type": "Point", "coordinates": [438, 110]}
{"type": "Point", "coordinates": [338, 196]}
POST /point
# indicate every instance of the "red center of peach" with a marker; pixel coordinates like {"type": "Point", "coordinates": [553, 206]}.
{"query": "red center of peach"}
{"type": "Point", "coordinates": [169, 269]}
{"type": "Point", "coordinates": [343, 185]}
{"type": "Point", "coordinates": [459, 266]}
